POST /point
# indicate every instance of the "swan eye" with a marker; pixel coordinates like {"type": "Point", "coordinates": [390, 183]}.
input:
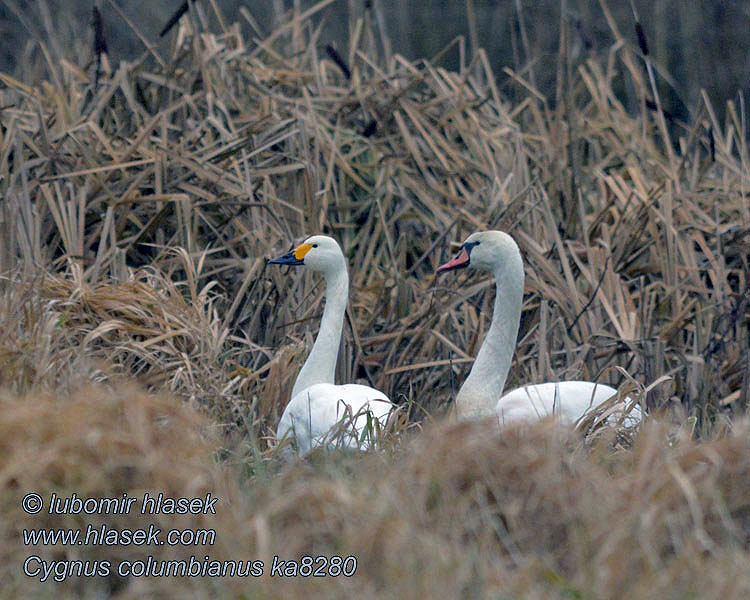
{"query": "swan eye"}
{"type": "Point", "coordinates": [314, 245]}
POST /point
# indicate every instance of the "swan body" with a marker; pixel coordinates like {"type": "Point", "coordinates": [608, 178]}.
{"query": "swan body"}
{"type": "Point", "coordinates": [567, 401]}
{"type": "Point", "coordinates": [320, 412]}
{"type": "Point", "coordinates": [334, 415]}
{"type": "Point", "coordinates": [481, 394]}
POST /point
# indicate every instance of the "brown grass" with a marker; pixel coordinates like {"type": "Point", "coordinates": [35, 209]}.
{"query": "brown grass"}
{"type": "Point", "coordinates": [200, 169]}
{"type": "Point", "coordinates": [464, 511]}
{"type": "Point", "coordinates": [135, 220]}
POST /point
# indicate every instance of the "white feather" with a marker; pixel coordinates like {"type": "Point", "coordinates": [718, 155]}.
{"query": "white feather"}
{"type": "Point", "coordinates": [321, 413]}
{"type": "Point", "coordinates": [567, 401]}
{"type": "Point", "coordinates": [481, 394]}
{"type": "Point", "coordinates": [336, 416]}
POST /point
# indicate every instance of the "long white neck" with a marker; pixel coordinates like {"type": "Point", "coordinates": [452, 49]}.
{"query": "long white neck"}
{"type": "Point", "coordinates": [483, 387]}
{"type": "Point", "coordinates": [320, 365]}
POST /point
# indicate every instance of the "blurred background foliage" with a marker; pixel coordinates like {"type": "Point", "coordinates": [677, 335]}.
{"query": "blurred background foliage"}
{"type": "Point", "coordinates": [693, 43]}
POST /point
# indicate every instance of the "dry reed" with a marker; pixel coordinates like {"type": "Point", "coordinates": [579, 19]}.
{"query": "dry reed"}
{"type": "Point", "coordinates": [136, 216]}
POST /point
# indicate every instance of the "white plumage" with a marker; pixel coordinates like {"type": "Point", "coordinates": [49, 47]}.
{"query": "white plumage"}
{"type": "Point", "coordinates": [320, 412]}
{"type": "Point", "coordinates": [341, 416]}
{"type": "Point", "coordinates": [568, 401]}
{"type": "Point", "coordinates": [481, 394]}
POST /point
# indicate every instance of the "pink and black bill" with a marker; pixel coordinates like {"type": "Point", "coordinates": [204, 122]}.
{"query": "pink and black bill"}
{"type": "Point", "coordinates": [461, 260]}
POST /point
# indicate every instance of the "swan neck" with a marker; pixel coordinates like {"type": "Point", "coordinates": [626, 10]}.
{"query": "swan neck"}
{"type": "Point", "coordinates": [320, 365]}
{"type": "Point", "coordinates": [483, 387]}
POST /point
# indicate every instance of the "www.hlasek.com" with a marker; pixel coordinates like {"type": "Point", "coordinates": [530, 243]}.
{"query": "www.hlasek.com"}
{"type": "Point", "coordinates": [104, 535]}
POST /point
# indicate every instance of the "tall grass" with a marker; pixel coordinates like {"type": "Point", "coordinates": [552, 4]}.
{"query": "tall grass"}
{"type": "Point", "coordinates": [234, 149]}
{"type": "Point", "coordinates": [136, 218]}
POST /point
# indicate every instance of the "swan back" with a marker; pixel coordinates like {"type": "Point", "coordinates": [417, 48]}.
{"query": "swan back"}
{"type": "Point", "coordinates": [567, 401]}
{"type": "Point", "coordinates": [333, 415]}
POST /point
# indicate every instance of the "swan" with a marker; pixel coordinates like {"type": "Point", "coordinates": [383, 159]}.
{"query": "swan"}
{"type": "Point", "coordinates": [321, 413]}
{"type": "Point", "coordinates": [568, 401]}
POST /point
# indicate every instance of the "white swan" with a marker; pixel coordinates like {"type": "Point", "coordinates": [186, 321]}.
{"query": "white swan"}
{"type": "Point", "coordinates": [498, 253]}
{"type": "Point", "coordinates": [320, 412]}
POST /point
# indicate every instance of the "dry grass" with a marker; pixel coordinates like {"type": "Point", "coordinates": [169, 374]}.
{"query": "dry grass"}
{"type": "Point", "coordinates": [464, 511]}
{"type": "Point", "coordinates": [201, 168]}
{"type": "Point", "coordinates": [135, 220]}
{"type": "Point", "coordinates": [99, 443]}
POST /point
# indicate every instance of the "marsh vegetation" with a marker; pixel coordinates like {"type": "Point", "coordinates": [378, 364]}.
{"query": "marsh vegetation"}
{"type": "Point", "coordinates": [145, 346]}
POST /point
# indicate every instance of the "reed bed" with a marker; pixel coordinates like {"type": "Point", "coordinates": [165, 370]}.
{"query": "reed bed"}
{"type": "Point", "coordinates": [141, 202]}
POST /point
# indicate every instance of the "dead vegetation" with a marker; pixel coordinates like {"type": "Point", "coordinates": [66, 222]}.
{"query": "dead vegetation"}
{"type": "Point", "coordinates": [138, 210]}
{"type": "Point", "coordinates": [463, 512]}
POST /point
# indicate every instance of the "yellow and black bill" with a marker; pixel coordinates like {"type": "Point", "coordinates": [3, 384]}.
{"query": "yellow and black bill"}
{"type": "Point", "coordinates": [293, 258]}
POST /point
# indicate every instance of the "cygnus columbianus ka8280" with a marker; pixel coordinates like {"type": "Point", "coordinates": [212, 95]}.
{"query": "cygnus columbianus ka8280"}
{"type": "Point", "coordinates": [480, 395]}
{"type": "Point", "coordinates": [320, 411]}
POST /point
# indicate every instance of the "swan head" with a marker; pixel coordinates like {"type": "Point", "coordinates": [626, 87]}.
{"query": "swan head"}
{"type": "Point", "coordinates": [318, 253]}
{"type": "Point", "coordinates": [487, 251]}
